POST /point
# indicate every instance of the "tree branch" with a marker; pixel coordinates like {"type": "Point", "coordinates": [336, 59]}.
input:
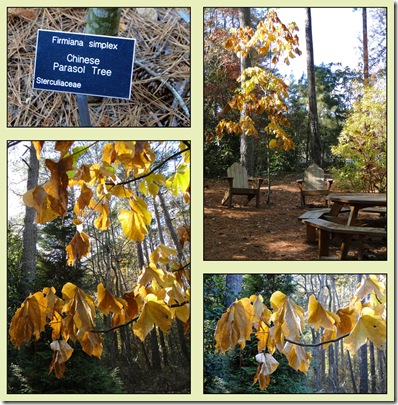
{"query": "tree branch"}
{"type": "Point", "coordinates": [151, 171]}
{"type": "Point", "coordinates": [132, 320]}
{"type": "Point", "coordinates": [317, 344]}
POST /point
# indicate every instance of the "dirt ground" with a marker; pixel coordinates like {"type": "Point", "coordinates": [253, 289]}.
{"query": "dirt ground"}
{"type": "Point", "coordinates": [270, 232]}
{"type": "Point", "coordinates": [161, 78]}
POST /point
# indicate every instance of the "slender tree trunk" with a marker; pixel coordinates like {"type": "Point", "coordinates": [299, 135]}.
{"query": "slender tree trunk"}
{"type": "Point", "coordinates": [363, 369]}
{"type": "Point", "coordinates": [363, 363]}
{"type": "Point", "coordinates": [381, 371]}
{"type": "Point", "coordinates": [183, 340]}
{"type": "Point", "coordinates": [233, 286]}
{"type": "Point", "coordinates": [155, 352]}
{"type": "Point", "coordinates": [103, 21]}
{"type": "Point", "coordinates": [165, 356]}
{"type": "Point", "coordinates": [365, 47]}
{"type": "Point", "coordinates": [246, 142]}
{"type": "Point", "coordinates": [170, 226]}
{"type": "Point", "coordinates": [316, 146]}
{"type": "Point", "coordinates": [29, 237]}
{"type": "Point", "coordinates": [354, 384]}
{"type": "Point", "coordinates": [373, 383]}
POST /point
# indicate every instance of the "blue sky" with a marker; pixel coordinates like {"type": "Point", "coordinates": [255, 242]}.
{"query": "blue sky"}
{"type": "Point", "coordinates": [335, 31]}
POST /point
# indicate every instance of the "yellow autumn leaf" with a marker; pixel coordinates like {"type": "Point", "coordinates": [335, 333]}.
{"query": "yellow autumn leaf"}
{"type": "Point", "coordinates": [294, 320]}
{"type": "Point", "coordinates": [347, 320]}
{"type": "Point", "coordinates": [258, 306]}
{"type": "Point", "coordinates": [62, 352]}
{"type": "Point", "coordinates": [318, 316]}
{"type": "Point", "coordinates": [371, 285]}
{"type": "Point", "coordinates": [162, 254]}
{"type": "Point", "coordinates": [56, 325]}
{"type": "Point", "coordinates": [120, 191]}
{"type": "Point", "coordinates": [150, 273]}
{"type": "Point", "coordinates": [262, 336]}
{"type": "Point", "coordinates": [370, 325]}
{"type": "Point", "coordinates": [56, 187]}
{"type": "Point", "coordinates": [63, 147]}
{"type": "Point", "coordinates": [125, 152]}
{"type": "Point", "coordinates": [129, 311]}
{"type": "Point", "coordinates": [78, 247]}
{"type": "Point", "coordinates": [180, 180]}
{"type": "Point", "coordinates": [81, 311]}
{"type": "Point", "coordinates": [108, 154]}
{"type": "Point", "coordinates": [154, 312]}
{"type": "Point", "coordinates": [273, 144]}
{"type": "Point", "coordinates": [40, 201]}
{"type": "Point", "coordinates": [29, 320]}
{"type": "Point", "coordinates": [134, 222]}
{"type": "Point", "coordinates": [107, 302]}
{"type": "Point", "coordinates": [297, 357]}
{"type": "Point", "coordinates": [84, 200]}
{"type": "Point", "coordinates": [183, 313]}
{"type": "Point", "coordinates": [102, 222]}
{"type": "Point", "coordinates": [150, 184]}
{"type": "Point", "coordinates": [235, 326]}
{"type": "Point", "coordinates": [267, 365]}
{"type": "Point", "coordinates": [174, 293]}
{"type": "Point", "coordinates": [92, 344]}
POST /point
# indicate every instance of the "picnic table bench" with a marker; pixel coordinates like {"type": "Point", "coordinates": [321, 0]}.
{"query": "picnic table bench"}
{"type": "Point", "coordinates": [327, 230]}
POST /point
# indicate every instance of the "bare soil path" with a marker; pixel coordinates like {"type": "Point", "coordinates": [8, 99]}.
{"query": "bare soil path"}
{"type": "Point", "coordinates": [271, 232]}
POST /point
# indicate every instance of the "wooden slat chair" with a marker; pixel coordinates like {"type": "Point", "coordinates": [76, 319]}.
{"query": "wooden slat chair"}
{"type": "Point", "coordinates": [238, 184]}
{"type": "Point", "coordinates": [314, 184]}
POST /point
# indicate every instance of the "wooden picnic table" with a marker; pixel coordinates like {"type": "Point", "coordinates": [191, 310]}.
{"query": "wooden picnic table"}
{"type": "Point", "coordinates": [356, 201]}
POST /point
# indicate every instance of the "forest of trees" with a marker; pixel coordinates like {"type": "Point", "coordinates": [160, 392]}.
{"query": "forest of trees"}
{"type": "Point", "coordinates": [348, 364]}
{"type": "Point", "coordinates": [270, 130]}
{"type": "Point", "coordinates": [107, 245]}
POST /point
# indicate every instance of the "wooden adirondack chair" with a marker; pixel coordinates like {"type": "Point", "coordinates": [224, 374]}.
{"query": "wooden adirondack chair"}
{"type": "Point", "coordinates": [314, 184]}
{"type": "Point", "coordinates": [238, 184]}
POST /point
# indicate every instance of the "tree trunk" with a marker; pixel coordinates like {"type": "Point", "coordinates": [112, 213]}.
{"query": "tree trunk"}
{"type": "Point", "coordinates": [373, 388]}
{"type": "Point", "coordinates": [29, 237]}
{"type": "Point", "coordinates": [246, 142]}
{"type": "Point", "coordinates": [155, 352]}
{"type": "Point", "coordinates": [103, 20]}
{"type": "Point", "coordinates": [165, 356]}
{"type": "Point", "coordinates": [381, 370]}
{"type": "Point", "coordinates": [170, 226]}
{"type": "Point", "coordinates": [316, 147]}
{"type": "Point", "coordinates": [363, 362]}
{"type": "Point", "coordinates": [365, 47]}
{"type": "Point", "coordinates": [354, 385]}
{"type": "Point", "coordinates": [363, 369]}
{"type": "Point", "coordinates": [233, 286]}
{"type": "Point", "coordinates": [183, 340]}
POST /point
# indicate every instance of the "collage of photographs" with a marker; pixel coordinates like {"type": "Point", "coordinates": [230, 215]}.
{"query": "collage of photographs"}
{"type": "Point", "coordinates": [282, 215]}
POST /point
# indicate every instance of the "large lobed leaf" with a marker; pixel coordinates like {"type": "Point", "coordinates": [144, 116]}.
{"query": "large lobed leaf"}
{"type": "Point", "coordinates": [235, 325]}
{"type": "Point", "coordinates": [154, 312]}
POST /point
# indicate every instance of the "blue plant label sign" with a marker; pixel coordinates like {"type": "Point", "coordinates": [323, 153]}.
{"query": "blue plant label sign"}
{"type": "Point", "coordinates": [95, 65]}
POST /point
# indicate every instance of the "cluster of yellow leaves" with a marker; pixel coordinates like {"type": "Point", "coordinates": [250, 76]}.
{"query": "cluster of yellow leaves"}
{"type": "Point", "coordinates": [98, 183]}
{"type": "Point", "coordinates": [158, 297]}
{"type": "Point", "coordinates": [261, 91]}
{"type": "Point", "coordinates": [270, 35]}
{"type": "Point", "coordinates": [357, 323]}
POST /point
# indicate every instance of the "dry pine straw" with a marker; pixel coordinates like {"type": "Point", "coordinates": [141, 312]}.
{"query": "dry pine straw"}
{"type": "Point", "coordinates": [162, 48]}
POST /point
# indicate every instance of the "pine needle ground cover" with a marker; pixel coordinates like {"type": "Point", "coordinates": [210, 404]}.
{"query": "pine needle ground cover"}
{"type": "Point", "coordinates": [161, 78]}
